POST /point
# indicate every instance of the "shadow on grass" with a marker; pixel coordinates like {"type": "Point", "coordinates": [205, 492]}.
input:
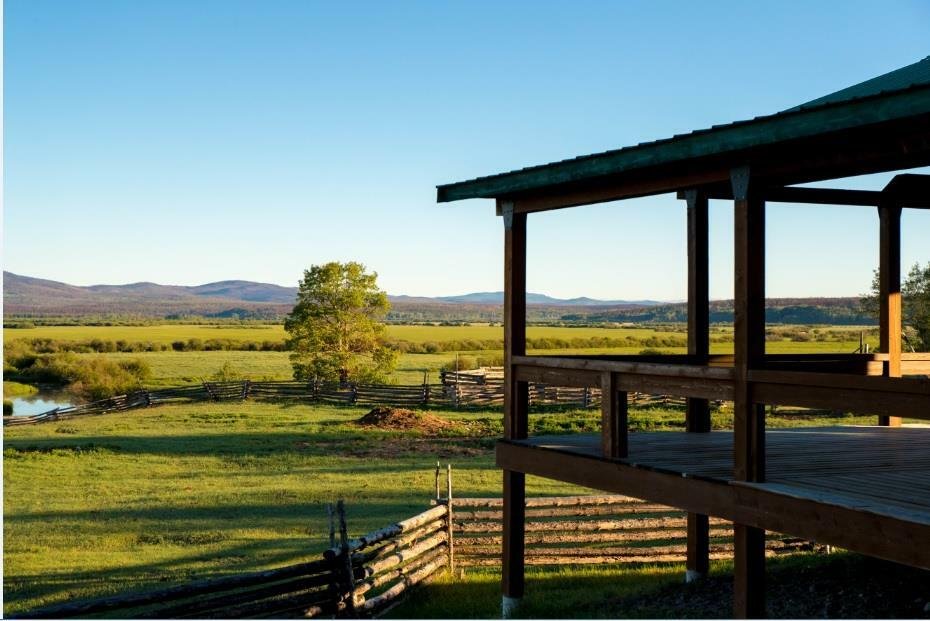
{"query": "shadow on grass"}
{"type": "Point", "coordinates": [27, 591]}
{"type": "Point", "coordinates": [842, 585]}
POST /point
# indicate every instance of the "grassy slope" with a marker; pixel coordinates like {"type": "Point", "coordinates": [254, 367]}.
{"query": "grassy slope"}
{"type": "Point", "coordinates": [152, 497]}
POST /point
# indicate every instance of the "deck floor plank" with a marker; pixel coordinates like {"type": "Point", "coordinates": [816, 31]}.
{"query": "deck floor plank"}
{"type": "Point", "coordinates": [879, 469]}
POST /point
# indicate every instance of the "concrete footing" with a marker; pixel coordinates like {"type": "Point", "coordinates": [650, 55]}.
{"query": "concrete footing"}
{"type": "Point", "coordinates": [692, 575]}
{"type": "Point", "coordinates": [508, 606]}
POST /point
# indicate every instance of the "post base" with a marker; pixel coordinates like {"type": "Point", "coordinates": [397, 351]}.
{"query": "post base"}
{"type": "Point", "coordinates": [508, 606]}
{"type": "Point", "coordinates": [692, 575]}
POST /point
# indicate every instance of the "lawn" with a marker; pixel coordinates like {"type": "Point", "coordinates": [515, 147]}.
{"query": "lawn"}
{"type": "Point", "coordinates": [158, 496]}
{"type": "Point", "coordinates": [153, 497]}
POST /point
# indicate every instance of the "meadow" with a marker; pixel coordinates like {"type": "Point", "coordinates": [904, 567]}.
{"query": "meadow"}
{"type": "Point", "coordinates": [171, 367]}
{"type": "Point", "coordinates": [154, 497]}
{"type": "Point", "coordinates": [169, 333]}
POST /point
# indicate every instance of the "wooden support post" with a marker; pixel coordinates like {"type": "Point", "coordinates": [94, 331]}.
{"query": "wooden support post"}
{"type": "Point", "coordinates": [614, 418]}
{"type": "Point", "coordinates": [516, 401]}
{"type": "Point", "coordinates": [748, 572]}
{"type": "Point", "coordinates": [449, 539]}
{"type": "Point", "coordinates": [697, 415]}
{"type": "Point", "coordinates": [889, 296]}
{"type": "Point", "coordinates": [748, 417]}
{"type": "Point", "coordinates": [698, 561]}
{"type": "Point", "coordinates": [698, 410]}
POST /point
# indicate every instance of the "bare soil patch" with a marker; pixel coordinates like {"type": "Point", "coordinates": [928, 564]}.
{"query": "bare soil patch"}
{"type": "Point", "coordinates": [399, 419]}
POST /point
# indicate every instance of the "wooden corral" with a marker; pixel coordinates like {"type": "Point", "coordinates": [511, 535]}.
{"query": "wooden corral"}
{"type": "Point", "coordinates": [880, 125]}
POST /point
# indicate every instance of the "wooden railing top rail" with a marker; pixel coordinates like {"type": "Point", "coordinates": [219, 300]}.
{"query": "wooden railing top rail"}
{"type": "Point", "coordinates": [624, 366]}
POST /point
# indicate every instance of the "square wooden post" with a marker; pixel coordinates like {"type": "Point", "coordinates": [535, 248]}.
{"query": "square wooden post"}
{"type": "Point", "coordinates": [698, 412]}
{"type": "Point", "coordinates": [889, 295]}
{"type": "Point", "coordinates": [516, 401]}
{"type": "Point", "coordinates": [748, 417]}
{"type": "Point", "coordinates": [614, 418]}
{"type": "Point", "coordinates": [697, 415]}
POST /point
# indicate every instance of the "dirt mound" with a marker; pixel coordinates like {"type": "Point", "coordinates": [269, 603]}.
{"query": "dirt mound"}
{"type": "Point", "coordinates": [405, 420]}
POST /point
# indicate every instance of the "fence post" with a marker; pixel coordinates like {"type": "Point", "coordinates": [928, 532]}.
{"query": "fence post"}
{"type": "Point", "coordinates": [437, 481]}
{"type": "Point", "coordinates": [426, 394]}
{"type": "Point", "coordinates": [348, 588]}
{"type": "Point", "coordinates": [449, 520]}
{"type": "Point", "coordinates": [332, 525]}
{"type": "Point", "coordinates": [354, 396]}
{"type": "Point", "coordinates": [585, 397]}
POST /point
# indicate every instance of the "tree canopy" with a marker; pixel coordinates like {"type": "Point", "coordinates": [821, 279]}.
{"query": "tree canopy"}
{"type": "Point", "coordinates": [336, 329]}
{"type": "Point", "coordinates": [915, 306]}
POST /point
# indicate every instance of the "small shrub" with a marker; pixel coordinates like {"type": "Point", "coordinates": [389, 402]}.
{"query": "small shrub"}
{"type": "Point", "coordinates": [7, 408]}
{"type": "Point", "coordinates": [226, 373]}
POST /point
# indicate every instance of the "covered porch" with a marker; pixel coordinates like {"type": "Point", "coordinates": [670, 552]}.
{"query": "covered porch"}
{"type": "Point", "coordinates": [863, 488]}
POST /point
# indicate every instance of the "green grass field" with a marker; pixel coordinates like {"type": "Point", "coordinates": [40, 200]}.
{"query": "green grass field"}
{"type": "Point", "coordinates": [158, 496]}
{"type": "Point", "coordinates": [417, 334]}
{"type": "Point", "coordinates": [152, 497]}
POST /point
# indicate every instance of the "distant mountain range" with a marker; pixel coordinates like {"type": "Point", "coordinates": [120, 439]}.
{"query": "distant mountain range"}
{"type": "Point", "coordinates": [28, 295]}
{"type": "Point", "coordinates": [24, 296]}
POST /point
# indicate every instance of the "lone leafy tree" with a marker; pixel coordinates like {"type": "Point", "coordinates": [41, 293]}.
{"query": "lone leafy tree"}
{"type": "Point", "coordinates": [336, 330]}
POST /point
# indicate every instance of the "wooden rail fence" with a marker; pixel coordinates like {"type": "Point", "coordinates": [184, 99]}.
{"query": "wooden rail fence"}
{"type": "Point", "coordinates": [367, 575]}
{"type": "Point", "coordinates": [454, 391]}
{"type": "Point", "coordinates": [360, 577]}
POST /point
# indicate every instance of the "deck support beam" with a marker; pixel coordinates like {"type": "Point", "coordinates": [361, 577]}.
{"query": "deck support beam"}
{"type": "Point", "coordinates": [516, 400]}
{"type": "Point", "coordinates": [889, 296]}
{"type": "Point", "coordinates": [697, 415]}
{"type": "Point", "coordinates": [748, 417]}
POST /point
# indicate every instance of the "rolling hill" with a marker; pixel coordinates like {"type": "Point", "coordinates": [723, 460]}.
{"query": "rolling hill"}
{"type": "Point", "coordinates": [25, 296]}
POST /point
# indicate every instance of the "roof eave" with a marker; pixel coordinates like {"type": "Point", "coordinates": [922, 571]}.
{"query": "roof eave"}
{"type": "Point", "coordinates": [738, 138]}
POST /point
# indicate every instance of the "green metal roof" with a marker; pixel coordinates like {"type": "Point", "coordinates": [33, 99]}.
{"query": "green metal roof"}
{"type": "Point", "coordinates": [895, 95]}
{"type": "Point", "coordinates": [899, 79]}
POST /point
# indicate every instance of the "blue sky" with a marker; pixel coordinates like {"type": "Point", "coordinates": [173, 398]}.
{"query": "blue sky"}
{"type": "Point", "coordinates": [186, 141]}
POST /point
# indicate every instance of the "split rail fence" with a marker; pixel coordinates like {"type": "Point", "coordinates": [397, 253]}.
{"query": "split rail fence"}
{"type": "Point", "coordinates": [354, 578]}
{"type": "Point", "coordinates": [366, 576]}
{"type": "Point", "coordinates": [456, 390]}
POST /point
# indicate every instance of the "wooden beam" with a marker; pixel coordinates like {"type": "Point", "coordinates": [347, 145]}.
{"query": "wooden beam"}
{"type": "Point", "coordinates": [697, 414]}
{"type": "Point", "coordinates": [614, 421]}
{"type": "Point", "coordinates": [889, 296]}
{"type": "Point", "coordinates": [763, 506]}
{"type": "Point", "coordinates": [516, 400]}
{"type": "Point", "coordinates": [748, 417]}
{"type": "Point", "coordinates": [748, 327]}
{"type": "Point", "coordinates": [814, 196]}
{"type": "Point", "coordinates": [697, 417]}
{"type": "Point", "coordinates": [909, 190]}
{"type": "Point", "coordinates": [516, 394]}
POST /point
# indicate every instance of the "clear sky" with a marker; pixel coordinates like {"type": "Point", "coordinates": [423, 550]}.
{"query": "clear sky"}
{"type": "Point", "coordinates": [190, 141]}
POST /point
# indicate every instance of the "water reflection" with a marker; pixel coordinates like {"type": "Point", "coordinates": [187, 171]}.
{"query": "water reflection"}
{"type": "Point", "coordinates": [42, 401]}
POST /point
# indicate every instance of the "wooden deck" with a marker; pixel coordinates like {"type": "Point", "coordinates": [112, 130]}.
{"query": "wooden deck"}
{"type": "Point", "coordinates": [879, 469]}
{"type": "Point", "coordinates": [870, 484]}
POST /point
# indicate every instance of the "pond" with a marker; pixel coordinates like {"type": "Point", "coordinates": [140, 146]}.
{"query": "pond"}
{"type": "Point", "coordinates": [40, 402]}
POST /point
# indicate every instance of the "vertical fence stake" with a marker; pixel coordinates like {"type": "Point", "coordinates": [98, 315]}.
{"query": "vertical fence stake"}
{"type": "Point", "coordinates": [449, 520]}
{"type": "Point", "coordinates": [332, 525]}
{"type": "Point", "coordinates": [437, 482]}
{"type": "Point", "coordinates": [348, 590]}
